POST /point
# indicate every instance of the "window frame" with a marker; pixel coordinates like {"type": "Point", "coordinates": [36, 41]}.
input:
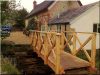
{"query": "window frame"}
{"type": "Point", "coordinates": [96, 27]}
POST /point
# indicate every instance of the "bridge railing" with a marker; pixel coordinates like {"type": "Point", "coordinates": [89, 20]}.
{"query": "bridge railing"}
{"type": "Point", "coordinates": [81, 41]}
{"type": "Point", "coordinates": [45, 42]}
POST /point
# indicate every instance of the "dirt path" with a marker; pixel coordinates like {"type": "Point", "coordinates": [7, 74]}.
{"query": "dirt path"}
{"type": "Point", "coordinates": [18, 38]}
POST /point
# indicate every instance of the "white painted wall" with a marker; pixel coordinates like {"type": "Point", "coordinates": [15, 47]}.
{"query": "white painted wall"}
{"type": "Point", "coordinates": [84, 23]}
{"type": "Point", "coordinates": [26, 23]}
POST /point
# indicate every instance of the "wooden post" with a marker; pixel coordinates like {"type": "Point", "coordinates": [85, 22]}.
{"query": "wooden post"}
{"type": "Point", "coordinates": [62, 41]}
{"type": "Point", "coordinates": [74, 44]}
{"type": "Point", "coordinates": [58, 51]}
{"type": "Point", "coordinates": [35, 39]}
{"type": "Point", "coordinates": [46, 49]}
{"type": "Point", "coordinates": [93, 52]}
{"type": "Point", "coordinates": [92, 68]}
{"type": "Point", "coordinates": [31, 37]}
{"type": "Point", "coordinates": [38, 44]}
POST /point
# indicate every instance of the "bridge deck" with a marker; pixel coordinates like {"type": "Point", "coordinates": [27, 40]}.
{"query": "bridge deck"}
{"type": "Point", "coordinates": [68, 61]}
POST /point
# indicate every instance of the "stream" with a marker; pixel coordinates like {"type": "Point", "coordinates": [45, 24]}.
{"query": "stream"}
{"type": "Point", "coordinates": [27, 61]}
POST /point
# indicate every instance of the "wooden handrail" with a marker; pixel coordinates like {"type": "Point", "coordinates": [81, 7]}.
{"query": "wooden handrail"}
{"type": "Point", "coordinates": [53, 42]}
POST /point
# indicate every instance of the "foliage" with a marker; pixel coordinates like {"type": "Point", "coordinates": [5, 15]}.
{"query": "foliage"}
{"type": "Point", "coordinates": [32, 25]}
{"type": "Point", "coordinates": [7, 11]}
{"type": "Point", "coordinates": [11, 15]}
{"type": "Point", "coordinates": [4, 11]}
{"type": "Point", "coordinates": [19, 19]}
{"type": "Point", "coordinates": [7, 67]}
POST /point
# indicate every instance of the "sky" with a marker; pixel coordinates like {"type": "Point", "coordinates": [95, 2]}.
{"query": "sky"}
{"type": "Point", "coordinates": [28, 4]}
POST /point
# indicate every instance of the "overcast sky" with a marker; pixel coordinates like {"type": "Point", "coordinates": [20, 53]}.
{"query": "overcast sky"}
{"type": "Point", "coordinates": [28, 4]}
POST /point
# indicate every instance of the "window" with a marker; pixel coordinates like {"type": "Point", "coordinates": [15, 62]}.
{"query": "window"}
{"type": "Point", "coordinates": [96, 27]}
{"type": "Point", "coordinates": [49, 27]}
{"type": "Point", "coordinates": [42, 27]}
{"type": "Point", "coordinates": [58, 28]}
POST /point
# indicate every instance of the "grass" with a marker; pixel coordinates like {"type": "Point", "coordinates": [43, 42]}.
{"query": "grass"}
{"type": "Point", "coordinates": [7, 67]}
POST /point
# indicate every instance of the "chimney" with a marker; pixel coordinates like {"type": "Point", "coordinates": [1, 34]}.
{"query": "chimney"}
{"type": "Point", "coordinates": [34, 4]}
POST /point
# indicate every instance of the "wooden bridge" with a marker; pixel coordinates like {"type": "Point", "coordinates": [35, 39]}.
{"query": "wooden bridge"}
{"type": "Point", "coordinates": [60, 51]}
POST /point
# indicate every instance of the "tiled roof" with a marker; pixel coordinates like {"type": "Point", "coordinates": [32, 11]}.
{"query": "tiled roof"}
{"type": "Point", "coordinates": [43, 6]}
{"type": "Point", "coordinates": [40, 7]}
{"type": "Point", "coordinates": [69, 15]}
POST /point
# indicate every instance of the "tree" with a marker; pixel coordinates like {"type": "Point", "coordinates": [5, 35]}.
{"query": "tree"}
{"type": "Point", "coordinates": [12, 4]}
{"type": "Point", "coordinates": [7, 9]}
{"type": "Point", "coordinates": [32, 25]}
{"type": "Point", "coordinates": [11, 15]}
{"type": "Point", "coordinates": [4, 11]}
{"type": "Point", "coordinates": [20, 18]}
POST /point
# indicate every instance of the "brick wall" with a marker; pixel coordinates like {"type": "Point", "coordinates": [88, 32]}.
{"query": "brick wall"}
{"type": "Point", "coordinates": [62, 6]}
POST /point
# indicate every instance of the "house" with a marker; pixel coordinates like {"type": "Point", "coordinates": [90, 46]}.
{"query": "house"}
{"type": "Point", "coordinates": [81, 19]}
{"type": "Point", "coordinates": [43, 12]}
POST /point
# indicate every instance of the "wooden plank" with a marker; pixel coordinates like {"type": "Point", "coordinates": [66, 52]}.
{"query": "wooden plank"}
{"type": "Point", "coordinates": [93, 52]}
{"type": "Point", "coordinates": [69, 61]}
{"type": "Point", "coordinates": [46, 49]}
{"type": "Point", "coordinates": [79, 32]}
{"type": "Point", "coordinates": [74, 44]}
{"type": "Point", "coordinates": [51, 65]}
{"type": "Point", "coordinates": [58, 51]}
{"type": "Point", "coordinates": [68, 43]}
{"type": "Point", "coordinates": [52, 60]}
{"type": "Point", "coordinates": [31, 38]}
{"type": "Point", "coordinates": [62, 41]}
